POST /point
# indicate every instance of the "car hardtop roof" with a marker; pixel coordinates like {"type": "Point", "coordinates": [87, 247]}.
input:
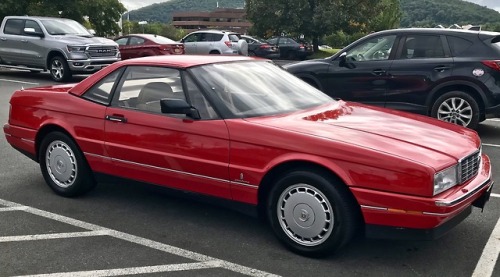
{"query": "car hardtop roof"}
{"type": "Point", "coordinates": [37, 17]}
{"type": "Point", "coordinates": [185, 61]}
{"type": "Point", "coordinates": [215, 31]}
{"type": "Point", "coordinates": [437, 31]}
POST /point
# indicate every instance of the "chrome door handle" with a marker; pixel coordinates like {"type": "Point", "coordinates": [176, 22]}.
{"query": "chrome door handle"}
{"type": "Point", "coordinates": [24, 40]}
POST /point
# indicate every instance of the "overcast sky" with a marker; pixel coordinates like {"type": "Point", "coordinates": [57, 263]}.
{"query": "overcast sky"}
{"type": "Point", "coordinates": [134, 4]}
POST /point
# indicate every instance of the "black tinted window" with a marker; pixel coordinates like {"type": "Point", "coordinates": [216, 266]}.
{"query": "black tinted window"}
{"type": "Point", "coordinates": [33, 24]}
{"type": "Point", "coordinates": [422, 46]}
{"type": "Point", "coordinates": [217, 37]}
{"type": "Point", "coordinates": [14, 27]}
{"type": "Point", "coordinates": [458, 45]}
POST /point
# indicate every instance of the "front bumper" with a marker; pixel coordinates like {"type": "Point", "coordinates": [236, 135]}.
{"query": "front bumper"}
{"type": "Point", "coordinates": [90, 65]}
{"type": "Point", "coordinates": [393, 215]}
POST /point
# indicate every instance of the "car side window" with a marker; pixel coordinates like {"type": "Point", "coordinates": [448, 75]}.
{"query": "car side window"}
{"type": "Point", "coordinates": [142, 88]}
{"type": "Point", "coordinates": [192, 38]}
{"type": "Point", "coordinates": [136, 41]}
{"type": "Point", "coordinates": [217, 37]}
{"type": "Point", "coordinates": [458, 45]}
{"type": "Point", "coordinates": [198, 100]}
{"type": "Point", "coordinates": [373, 49]}
{"type": "Point", "coordinates": [14, 27]}
{"type": "Point", "coordinates": [272, 40]}
{"type": "Point", "coordinates": [101, 92]}
{"type": "Point", "coordinates": [33, 24]}
{"type": "Point", "coordinates": [422, 47]}
{"type": "Point", "coordinates": [122, 41]}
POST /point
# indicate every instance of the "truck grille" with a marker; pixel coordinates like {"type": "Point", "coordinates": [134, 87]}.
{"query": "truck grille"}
{"type": "Point", "coordinates": [469, 167]}
{"type": "Point", "coordinates": [102, 51]}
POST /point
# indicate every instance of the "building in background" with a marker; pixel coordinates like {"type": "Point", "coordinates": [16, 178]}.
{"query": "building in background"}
{"type": "Point", "coordinates": [222, 19]}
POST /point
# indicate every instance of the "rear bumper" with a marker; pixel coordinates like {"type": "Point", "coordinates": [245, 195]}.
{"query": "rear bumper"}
{"type": "Point", "coordinates": [21, 139]}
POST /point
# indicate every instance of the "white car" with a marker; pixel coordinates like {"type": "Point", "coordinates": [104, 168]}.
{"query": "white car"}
{"type": "Point", "coordinates": [215, 42]}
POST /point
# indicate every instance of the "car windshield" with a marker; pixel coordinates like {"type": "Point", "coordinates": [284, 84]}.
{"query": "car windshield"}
{"type": "Point", "coordinates": [258, 88]}
{"type": "Point", "coordinates": [64, 27]}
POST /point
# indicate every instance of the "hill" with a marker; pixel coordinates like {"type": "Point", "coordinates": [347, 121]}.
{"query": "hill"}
{"type": "Point", "coordinates": [162, 12]}
{"type": "Point", "coordinates": [422, 13]}
{"type": "Point", "coordinates": [429, 13]}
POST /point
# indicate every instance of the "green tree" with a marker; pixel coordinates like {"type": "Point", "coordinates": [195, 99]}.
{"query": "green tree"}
{"type": "Point", "coordinates": [311, 18]}
{"type": "Point", "coordinates": [389, 16]}
{"type": "Point", "coordinates": [102, 15]}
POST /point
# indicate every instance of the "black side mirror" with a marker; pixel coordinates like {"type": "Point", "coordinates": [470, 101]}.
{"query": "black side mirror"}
{"type": "Point", "coordinates": [179, 106]}
{"type": "Point", "coordinates": [33, 32]}
{"type": "Point", "coordinates": [344, 62]}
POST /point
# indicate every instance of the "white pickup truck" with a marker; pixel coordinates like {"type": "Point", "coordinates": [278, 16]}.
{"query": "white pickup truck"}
{"type": "Point", "coordinates": [61, 46]}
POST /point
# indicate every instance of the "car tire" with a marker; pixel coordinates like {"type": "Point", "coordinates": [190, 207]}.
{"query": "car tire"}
{"type": "Point", "coordinates": [251, 54]}
{"type": "Point", "coordinates": [59, 69]}
{"type": "Point", "coordinates": [311, 214]}
{"type": "Point", "coordinates": [457, 107]}
{"type": "Point", "coordinates": [64, 167]}
{"type": "Point", "coordinates": [214, 52]}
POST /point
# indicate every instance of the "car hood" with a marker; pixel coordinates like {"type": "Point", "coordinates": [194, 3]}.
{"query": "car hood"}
{"type": "Point", "coordinates": [309, 65]}
{"type": "Point", "coordinates": [79, 40]}
{"type": "Point", "coordinates": [421, 139]}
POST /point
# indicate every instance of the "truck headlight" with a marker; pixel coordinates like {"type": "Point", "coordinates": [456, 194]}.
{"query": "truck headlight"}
{"type": "Point", "coordinates": [445, 179]}
{"type": "Point", "coordinates": [76, 48]}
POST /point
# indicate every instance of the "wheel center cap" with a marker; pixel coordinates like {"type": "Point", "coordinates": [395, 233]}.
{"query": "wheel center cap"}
{"type": "Point", "coordinates": [304, 215]}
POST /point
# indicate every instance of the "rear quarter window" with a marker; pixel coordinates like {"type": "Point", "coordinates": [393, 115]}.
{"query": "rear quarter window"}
{"type": "Point", "coordinates": [234, 37]}
{"type": "Point", "coordinates": [458, 45]}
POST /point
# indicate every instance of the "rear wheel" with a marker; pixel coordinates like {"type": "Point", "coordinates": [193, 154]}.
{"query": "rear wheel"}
{"type": "Point", "coordinates": [310, 214]}
{"type": "Point", "coordinates": [214, 52]}
{"type": "Point", "coordinates": [457, 107]}
{"type": "Point", "coordinates": [63, 166]}
{"type": "Point", "coordinates": [59, 69]}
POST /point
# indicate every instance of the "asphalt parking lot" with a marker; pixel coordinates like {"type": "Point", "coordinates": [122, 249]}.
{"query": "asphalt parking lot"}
{"type": "Point", "coordinates": [126, 229]}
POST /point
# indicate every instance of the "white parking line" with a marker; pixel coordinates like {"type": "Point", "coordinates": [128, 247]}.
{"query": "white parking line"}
{"type": "Point", "coordinates": [495, 195]}
{"type": "Point", "coordinates": [132, 270]}
{"type": "Point", "coordinates": [493, 119]}
{"type": "Point", "coordinates": [488, 260]}
{"type": "Point", "coordinates": [54, 236]}
{"type": "Point", "coordinates": [95, 229]}
{"type": "Point", "coordinates": [491, 145]}
{"type": "Point", "coordinates": [20, 82]}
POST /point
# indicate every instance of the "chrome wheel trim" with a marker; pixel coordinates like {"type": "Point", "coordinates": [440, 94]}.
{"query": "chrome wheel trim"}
{"type": "Point", "coordinates": [61, 164]}
{"type": "Point", "coordinates": [305, 215]}
{"type": "Point", "coordinates": [57, 69]}
{"type": "Point", "coordinates": [455, 110]}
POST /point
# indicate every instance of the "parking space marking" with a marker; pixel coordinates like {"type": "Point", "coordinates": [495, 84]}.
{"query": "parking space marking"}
{"type": "Point", "coordinates": [495, 195]}
{"type": "Point", "coordinates": [96, 229]}
{"type": "Point", "coordinates": [132, 270]}
{"type": "Point", "coordinates": [493, 119]}
{"type": "Point", "coordinates": [491, 145]}
{"type": "Point", "coordinates": [20, 82]}
{"type": "Point", "coordinates": [54, 236]}
{"type": "Point", "coordinates": [9, 209]}
{"type": "Point", "coordinates": [489, 257]}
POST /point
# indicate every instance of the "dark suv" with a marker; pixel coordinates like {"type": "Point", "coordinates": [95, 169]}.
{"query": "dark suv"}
{"type": "Point", "coordinates": [452, 75]}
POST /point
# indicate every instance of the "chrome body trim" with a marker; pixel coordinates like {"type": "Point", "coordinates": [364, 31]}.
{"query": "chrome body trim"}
{"type": "Point", "coordinates": [174, 171]}
{"type": "Point", "coordinates": [444, 203]}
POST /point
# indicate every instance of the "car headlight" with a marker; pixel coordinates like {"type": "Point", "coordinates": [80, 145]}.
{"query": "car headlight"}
{"type": "Point", "coordinates": [445, 179]}
{"type": "Point", "coordinates": [76, 48]}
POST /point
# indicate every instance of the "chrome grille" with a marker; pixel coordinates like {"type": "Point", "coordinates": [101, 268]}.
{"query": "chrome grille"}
{"type": "Point", "coordinates": [469, 167]}
{"type": "Point", "coordinates": [102, 51]}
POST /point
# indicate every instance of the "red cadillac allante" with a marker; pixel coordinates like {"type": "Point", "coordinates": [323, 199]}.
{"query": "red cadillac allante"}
{"type": "Point", "coordinates": [245, 130]}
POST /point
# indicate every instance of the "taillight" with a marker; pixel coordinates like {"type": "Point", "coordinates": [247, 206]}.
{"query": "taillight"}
{"type": "Point", "coordinates": [301, 46]}
{"type": "Point", "coordinates": [494, 64]}
{"type": "Point", "coordinates": [265, 46]}
{"type": "Point", "coordinates": [228, 43]}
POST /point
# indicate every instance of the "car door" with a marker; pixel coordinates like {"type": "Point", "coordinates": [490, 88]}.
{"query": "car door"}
{"type": "Point", "coordinates": [33, 51]}
{"type": "Point", "coordinates": [165, 149]}
{"type": "Point", "coordinates": [360, 73]}
{"type": "Point", "coordinates": [10, 41]}
{"type": "Point", "coordinates": [125, 52]}
{"type": "Point", "coordinates": [422, 62]}
{"type": "Point", "coordinates": [190, 43]}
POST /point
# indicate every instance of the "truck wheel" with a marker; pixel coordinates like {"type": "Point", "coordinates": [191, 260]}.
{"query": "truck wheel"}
{"type": "Point", "coordinates": [64, 167]}
{"type": "Point", "coordinates": [59, 69]}
{"type": "Point", "coordinates": [457, 107]}
{"type": "Point", "coordinates": [311, 214]}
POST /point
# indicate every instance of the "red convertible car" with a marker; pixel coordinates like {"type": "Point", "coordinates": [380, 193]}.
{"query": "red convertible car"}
{"type": "Point", "coordinates": [245, 130]}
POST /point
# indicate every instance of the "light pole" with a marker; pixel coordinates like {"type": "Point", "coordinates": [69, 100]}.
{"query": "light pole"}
{"type": "Point", "coordinates": [142, 23]}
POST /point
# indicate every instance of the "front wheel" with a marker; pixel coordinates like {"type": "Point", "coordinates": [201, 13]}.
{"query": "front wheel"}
{"type": "Point", "coordinates": [59, 69]}
{"type": "Point", "coordinates": [457, 107]}
{"type": "Point", "coordinates": [310, 214]}
{"type": "Point", "coordinates": [64, 167]}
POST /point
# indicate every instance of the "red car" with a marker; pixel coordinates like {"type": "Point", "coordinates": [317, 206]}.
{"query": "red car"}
{"type": "Point", "coordinates": [245, 130]}
{"type": "Point", "coordinates": [143, 45]}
